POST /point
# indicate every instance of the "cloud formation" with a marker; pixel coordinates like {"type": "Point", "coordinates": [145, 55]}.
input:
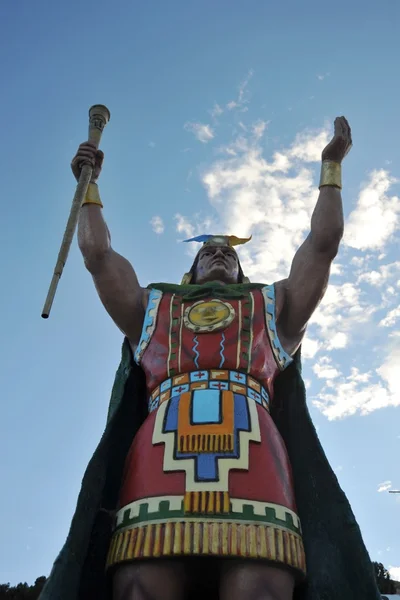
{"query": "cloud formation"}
{"type": "Point", "coordinates": [385, 486]}
{"type": "Point", "coordinates": [157, 224]}
{"type": "Point", "coordinates": [376, 216]}
{"type": "Point", "coordinates": [202, 132]}
{"type": "Point", "coordinates": [394, 573]}
{"type": "Point", "coordinates": [272, 197]}
{"type": "Point", "coordinates": [243, 96]}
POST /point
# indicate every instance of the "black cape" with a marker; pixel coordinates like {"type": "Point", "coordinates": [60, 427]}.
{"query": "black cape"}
{"type": "Point", "coordinates": [338, 564]}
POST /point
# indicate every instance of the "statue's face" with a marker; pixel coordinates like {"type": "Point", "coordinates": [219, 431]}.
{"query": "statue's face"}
{"type": "Point", "coordinates": [217, 263]}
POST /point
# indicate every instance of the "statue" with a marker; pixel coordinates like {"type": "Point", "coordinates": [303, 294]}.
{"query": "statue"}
{"type": "Point", "coordinates": [210, 474]}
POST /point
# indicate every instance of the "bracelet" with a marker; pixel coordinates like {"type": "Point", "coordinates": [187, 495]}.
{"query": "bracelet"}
{"type": "Point", "coordinates": [331, 174]}
{"type": "Point", "coordinates": [92, 195]}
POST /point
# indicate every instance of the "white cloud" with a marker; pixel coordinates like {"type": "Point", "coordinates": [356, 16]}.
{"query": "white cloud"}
{"type": "Point", "coordinates": [309, 347]}
{"type": "Point", "coordinates": [359, 261]}
{"type": "Point", "coordinates": [389, 372]}
{"type": "Point", "coordinates": [390, 318]}
{"type": "Point", "coordinates": [184, 226]}
{"type": "Point", "coordinates": [254, 195]}
{"type": "Point", "coordinates": [339, 340]}
{"type": "Point", "coordinates": [324, 370]}
{"type": "Point", "coordinates": [321, 77]}
{"type": "Point", "coordinates": [259, 129]}
{"type": "Point", "coordinates": [376, 216]}
{"type": "Point", "coordinates": [203, 133]}
{"type": "Point", "coordinates": [308, 145]}
{"type": "Point", "coordinates": [336, 269]}
{"type": "Point", "coordinates": [356, 393]}
{"type": "Point", "coordinates": [243, 95]}
{"type": "Point", "coordinates": [394, 573]}
{"type": "Point", "coordinates": [385, 486]}
{"type": "Point", "coordinates": [216, 111]}
{"type": "Point", "coordinates": [343, 311]}
{"type": "Point", "coordinates": [157, 224]}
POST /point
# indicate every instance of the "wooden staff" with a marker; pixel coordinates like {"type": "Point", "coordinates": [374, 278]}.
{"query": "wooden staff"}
{"type": "Point", "coordinates": [99, 116]}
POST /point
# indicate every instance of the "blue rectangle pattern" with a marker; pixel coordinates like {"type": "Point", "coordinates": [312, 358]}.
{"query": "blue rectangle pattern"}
{"type": "Point", "coordinates": [206, 406]}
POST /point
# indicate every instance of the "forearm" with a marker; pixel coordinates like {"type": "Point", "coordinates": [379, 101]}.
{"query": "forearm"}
{"type": "Point", "coordinates": [327, 222]}
{"type": "Point", "coordinates": [93, 234]}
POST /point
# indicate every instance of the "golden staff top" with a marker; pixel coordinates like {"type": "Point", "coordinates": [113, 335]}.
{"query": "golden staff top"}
{"type": "Point", "coordinates": [99, 116]}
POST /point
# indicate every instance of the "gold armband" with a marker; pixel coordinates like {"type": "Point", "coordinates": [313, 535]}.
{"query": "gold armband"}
{"type": "Point", "coordinates": [92, 195]}
{"type": "Point", "coordinates": [331, 174]}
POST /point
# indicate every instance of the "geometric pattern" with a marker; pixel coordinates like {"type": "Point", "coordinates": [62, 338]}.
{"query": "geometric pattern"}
{"type": "Point", "coordinates": [149, 323]}
{"type": "Point", "coordinates": [198, 448]}
{"type": "Point", "coordinates": [213, 538]}
{"type": "Point", "coordinates": [282, 358]}
{"type": "Point", "coordinates": [213, 379]}
{"type": "Point", "coordinates": [171, 508]}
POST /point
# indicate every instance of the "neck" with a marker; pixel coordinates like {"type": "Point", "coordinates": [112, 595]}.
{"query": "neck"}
{"type": "Point", "coordinates": [215, 281]}
{"type": "Point", "coordinates": [207, 281]}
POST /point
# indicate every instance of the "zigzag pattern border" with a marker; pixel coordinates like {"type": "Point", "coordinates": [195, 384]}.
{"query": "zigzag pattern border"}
{"type": "Point", "coordinates": [171, 508]}
{"type": "Point", "coordinates": [282, 357]}
{"type": "Point", "coordinates": [149, 324]}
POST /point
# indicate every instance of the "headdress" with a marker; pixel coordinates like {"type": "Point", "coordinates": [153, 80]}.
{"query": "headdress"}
{"type": "Point", "coordinates": [215, 240]}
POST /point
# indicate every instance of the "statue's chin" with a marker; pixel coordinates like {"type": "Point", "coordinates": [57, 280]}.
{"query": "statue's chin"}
{"type": "Point", "coordinates": [218, 275]}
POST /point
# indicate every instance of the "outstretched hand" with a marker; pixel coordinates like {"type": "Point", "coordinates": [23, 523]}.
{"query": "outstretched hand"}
{"type": "Point", "coordinates": [87, 154]}
{"type": "Point", "coordinates": [341, 143]}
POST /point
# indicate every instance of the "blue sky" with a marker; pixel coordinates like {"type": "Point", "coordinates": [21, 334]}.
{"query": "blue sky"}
{"type": "Point", "coordinates": [219, 112]}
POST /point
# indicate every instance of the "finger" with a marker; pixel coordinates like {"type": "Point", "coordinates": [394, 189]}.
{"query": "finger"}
{"type": "Point", "coordinates": [337, 126]}
{"type": "Point", "coordinates": [88, 149]}
{"type": "Point", "coordinates": [78, 162]}
{"type": "Point", "coordinates": [88, 144]}
{"type": "Point", "coordinates": [99, 159]}
{"type": "Point", "coordinates": [347, 129]}
{"type": "Point", "coordinates": [84, 154]}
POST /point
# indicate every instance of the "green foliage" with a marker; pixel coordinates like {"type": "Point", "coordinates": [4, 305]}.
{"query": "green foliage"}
{"type": "Point", "coordinates": [22, 591]}
{"type": "Point", "coordinates": [386, 585]}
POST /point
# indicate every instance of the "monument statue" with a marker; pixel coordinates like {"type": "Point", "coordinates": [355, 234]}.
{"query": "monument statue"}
{"type": "Point", "coordinates": [209, 475]}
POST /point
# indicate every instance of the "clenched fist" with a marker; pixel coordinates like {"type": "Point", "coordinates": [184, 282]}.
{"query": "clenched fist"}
{"type": "Point", "coordinates": [87, 154]}
{"type": "Point", "coordinates": [341, 142]}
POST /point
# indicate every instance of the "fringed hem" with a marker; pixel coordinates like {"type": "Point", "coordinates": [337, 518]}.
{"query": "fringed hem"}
{"type": "Point", "coordinates": [191, 538]}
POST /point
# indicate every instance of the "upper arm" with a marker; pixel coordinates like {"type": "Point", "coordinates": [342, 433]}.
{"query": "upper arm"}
{"type": "Point", "coordinates": [304, 289]}
{"type": "Point", "coordinates": [120, 293]}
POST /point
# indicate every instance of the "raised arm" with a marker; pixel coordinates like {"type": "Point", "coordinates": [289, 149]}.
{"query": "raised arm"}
{"type": "Point", "coordinates": [113, 275]}
{"type": "Point", "coordinates": [305, 287]}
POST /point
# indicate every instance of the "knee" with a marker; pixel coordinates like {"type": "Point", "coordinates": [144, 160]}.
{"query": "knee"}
{"type": "Point", "coordinates": [256, 582]}
{"type": "Point", "coordinates": [127, 585]}
{"type": "Point", "coordinates": [151, 580]}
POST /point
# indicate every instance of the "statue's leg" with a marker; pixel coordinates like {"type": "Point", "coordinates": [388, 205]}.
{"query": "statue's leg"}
{"type": "Point", "coordinates": [150, 580]}
{"type": "Point", "coordinates": [244, 580]}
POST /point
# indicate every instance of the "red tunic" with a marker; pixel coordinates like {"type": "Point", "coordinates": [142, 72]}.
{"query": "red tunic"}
{"type": "Point", "coordinates": [208, 472]}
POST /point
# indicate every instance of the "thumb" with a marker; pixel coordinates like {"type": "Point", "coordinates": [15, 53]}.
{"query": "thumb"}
{"type": "Point", "coordinates": [99, 158]}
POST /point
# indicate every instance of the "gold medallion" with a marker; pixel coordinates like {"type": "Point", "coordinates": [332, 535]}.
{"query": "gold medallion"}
{"type": "Point", "coordinates": [208, 315]}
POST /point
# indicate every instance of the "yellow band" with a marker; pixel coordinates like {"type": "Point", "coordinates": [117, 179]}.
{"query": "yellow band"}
{"type": "Point", "coordinates": [331, 174]}
{"type": "Point", "coordinates": [92, 195]}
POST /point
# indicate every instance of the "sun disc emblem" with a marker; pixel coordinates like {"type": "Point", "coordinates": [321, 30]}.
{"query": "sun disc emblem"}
{"type": "Point", "coordinates": [208, 315]}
